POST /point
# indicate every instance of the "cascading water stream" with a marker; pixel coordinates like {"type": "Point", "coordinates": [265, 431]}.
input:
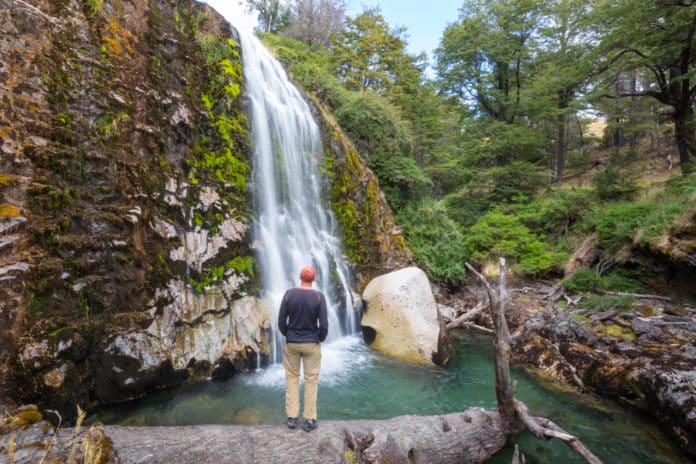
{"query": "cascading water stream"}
{"type": "Point", "coordinates": [293, 228]}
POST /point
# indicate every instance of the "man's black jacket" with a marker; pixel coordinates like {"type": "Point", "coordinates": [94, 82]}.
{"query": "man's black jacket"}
{"type": "Point", "coordinates": [302, 317]}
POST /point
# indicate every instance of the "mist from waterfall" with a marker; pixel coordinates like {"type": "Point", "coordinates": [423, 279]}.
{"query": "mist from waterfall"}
{"type": "Point", "coordinates": [292, 228]}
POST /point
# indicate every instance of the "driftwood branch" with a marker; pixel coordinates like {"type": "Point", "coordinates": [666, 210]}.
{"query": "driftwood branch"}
{"type": "Point", "coordinates": [640, 296]}
{"type": "Point", "coordinates": [467, 316]}
{"type": "Point", "coordinates": [515, 413]}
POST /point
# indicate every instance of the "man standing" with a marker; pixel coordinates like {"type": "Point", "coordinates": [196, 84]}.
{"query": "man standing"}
{"type": "Point", "coordinates": [303, 322]}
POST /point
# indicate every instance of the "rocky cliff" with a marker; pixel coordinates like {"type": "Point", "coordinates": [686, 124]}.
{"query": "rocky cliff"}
{"type": "Point", "coordinates": [126, 262]}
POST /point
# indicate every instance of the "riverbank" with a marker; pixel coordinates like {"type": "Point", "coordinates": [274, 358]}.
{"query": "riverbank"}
{"type": "Point", "coordinates": [644, 357]}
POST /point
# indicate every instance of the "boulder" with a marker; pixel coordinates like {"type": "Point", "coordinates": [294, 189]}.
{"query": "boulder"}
{"type": "Point", "coordinates": [401, 319]}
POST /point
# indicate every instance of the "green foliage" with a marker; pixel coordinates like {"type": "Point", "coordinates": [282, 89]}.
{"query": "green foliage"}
{"type": "Point", "coordinates": [606, 303]}
{"type": "Point", "coordinates": [587, 280]}
{"type": "Point", "coordinates": [94, 7]}
{"type": "Point", "coordinates": [216, 274]}
{"type": "Point", "coordinates": [487, 55]}
{"type": "Point", "coordinates": [555, 213]}
{"type": "Point", "coordinates": [616, 224]}
{"type": "Point", "coordinates": [436, 241]}
{"type": "Point", "coordinates": [367, 55]}
{"type": "Point", "coordinates": [219, 154]}
{"type": "Point", "coordinates": [381, 135]}
{"type": "Point", "coordinates": [497, 235]}
{"type": "Point", "coordinates": [612, 184]}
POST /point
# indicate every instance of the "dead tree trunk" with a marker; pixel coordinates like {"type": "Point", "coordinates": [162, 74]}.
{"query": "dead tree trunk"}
{"type": "Point", "coordinates": [472, 436]}
{"type": "Point", "coordinates": [515, 413]}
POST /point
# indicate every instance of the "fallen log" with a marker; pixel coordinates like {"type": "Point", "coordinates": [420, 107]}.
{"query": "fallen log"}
{"type": "Point", "coordinates": [467, 437]}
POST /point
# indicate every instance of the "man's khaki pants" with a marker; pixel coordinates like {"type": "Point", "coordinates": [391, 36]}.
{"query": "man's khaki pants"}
{"type": "Point", "coordinates": [310, 356]}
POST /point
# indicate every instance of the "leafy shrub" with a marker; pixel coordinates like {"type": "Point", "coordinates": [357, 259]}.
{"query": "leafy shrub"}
{"type": "Point", "coordinates": [555, 213]}
{"type": "Point", "coordinates": [617, 223]}
{"type": "Point", "coordinates": [612, 184]}
{"type": "Point", "coordinates": [587, 280]}
{"type": "Point", "coordinates": [518, 178]}
{"type": "Point", "coordinates": [436, 241]}
{"type": "Point", "coordinates": [606, 303]}
{"type": "Point", "coordinates": [381, 135]}
{"type": "Point", "coordinates": [498, 235]}
{"type": "Point", "coordinates": [465, 206]}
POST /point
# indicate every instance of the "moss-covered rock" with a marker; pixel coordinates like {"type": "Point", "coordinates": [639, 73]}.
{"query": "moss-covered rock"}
{"type": "Point", "coordinates": [124, 156]}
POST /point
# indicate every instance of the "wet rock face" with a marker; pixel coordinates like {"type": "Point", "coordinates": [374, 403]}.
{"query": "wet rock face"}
{"type": "Point", "coordinates": [372, 240]}
{"type": "Point", "coordinates": [124, 247]}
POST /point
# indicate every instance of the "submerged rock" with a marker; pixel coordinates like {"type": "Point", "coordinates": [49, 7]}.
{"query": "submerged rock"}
{"type": "Point", "coordinates": [402, 318]}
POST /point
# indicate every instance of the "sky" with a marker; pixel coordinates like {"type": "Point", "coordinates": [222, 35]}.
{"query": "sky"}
{"type": "Point", "coordinates": [424, 20]}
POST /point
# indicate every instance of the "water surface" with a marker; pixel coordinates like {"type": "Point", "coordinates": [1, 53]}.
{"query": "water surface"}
{"type": "Point", "coordinates": [357, 383]}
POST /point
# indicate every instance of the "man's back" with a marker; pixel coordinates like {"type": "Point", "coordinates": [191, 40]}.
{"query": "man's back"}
{"type": "Point", "coordinates": [300, 312]}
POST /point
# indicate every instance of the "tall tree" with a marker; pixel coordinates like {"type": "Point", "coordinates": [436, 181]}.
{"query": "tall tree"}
{"type": "Point", "coordinates": [658, 37]}
{"type": "Point", "coordinates": [368, 55]}
{"type": "Point", "coordinates": [271, 13]}
{"type": "Point", "coordinates": [315, 21]}
{"type": "Point", "coordinates": [484, 57]}
{"type": "Point", "coordinates": [563, 67]}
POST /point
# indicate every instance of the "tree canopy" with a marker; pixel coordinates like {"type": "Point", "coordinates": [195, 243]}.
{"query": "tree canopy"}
{"type": "Point", "coordinates": [481, 154]}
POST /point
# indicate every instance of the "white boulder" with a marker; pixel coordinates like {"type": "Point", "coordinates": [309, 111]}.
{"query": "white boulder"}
{"type": "Point", "coordinates": [400, 318]}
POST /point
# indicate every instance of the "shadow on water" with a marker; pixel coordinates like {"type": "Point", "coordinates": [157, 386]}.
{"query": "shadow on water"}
{"type": "Point", "coordinates": [357, 383]}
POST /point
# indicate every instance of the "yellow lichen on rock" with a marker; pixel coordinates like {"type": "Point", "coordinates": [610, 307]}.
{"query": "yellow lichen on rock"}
{"type": "Point", "coordinates": [8, 211]}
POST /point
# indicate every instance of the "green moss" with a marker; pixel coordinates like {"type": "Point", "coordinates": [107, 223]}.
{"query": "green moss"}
{"type": "Point", "coordinates": [29, 417]}
{"type": "Point", "coordinates": [216, 274]}
{"type": "Point", "coordinates": [618, 331]}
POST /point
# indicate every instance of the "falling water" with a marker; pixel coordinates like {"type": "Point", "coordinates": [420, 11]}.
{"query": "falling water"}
{"type": "Point", "coordinates": [293, 228]}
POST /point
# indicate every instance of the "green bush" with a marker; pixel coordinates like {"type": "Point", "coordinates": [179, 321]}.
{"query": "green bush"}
{"type": "Point", "coordinates": [556, 213]}
{"type": "Point", "coordinates": [616, 224]}
{"type": "Point", "coordinates": [499, 235]}
{"type": "Point", "coordinates": [466, 207]}
{"type": "Point", "coordinates": [612, 184]}
{"type": "Point", "coordinates": [587, 280]}
{"type": "Point", "coordinates": [436, 241]}
{"type": "Point", "coordinates": [606, 303]}
{"type": "Point", "coordinates": [381, 135]}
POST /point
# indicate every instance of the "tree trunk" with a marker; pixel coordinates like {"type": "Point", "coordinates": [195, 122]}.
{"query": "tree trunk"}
{"type": "Point", "coordinates": [514, 413]}
{"type": "Point", "coordinates": [468, 437]}
{"type": "Point", "coordinates": [561, 147]}
{"type": "Point", "coordinates": [685, 139]}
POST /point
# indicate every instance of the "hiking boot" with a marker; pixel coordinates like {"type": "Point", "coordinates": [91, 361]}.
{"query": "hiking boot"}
{"type": "Point", "coordinates": [309, 425]}
{"type": "Point", "coordinates": [292, 422]}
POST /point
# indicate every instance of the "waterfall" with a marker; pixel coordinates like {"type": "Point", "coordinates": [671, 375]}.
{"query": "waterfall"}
{"type": "Point", "coordinates": [292, 227]}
